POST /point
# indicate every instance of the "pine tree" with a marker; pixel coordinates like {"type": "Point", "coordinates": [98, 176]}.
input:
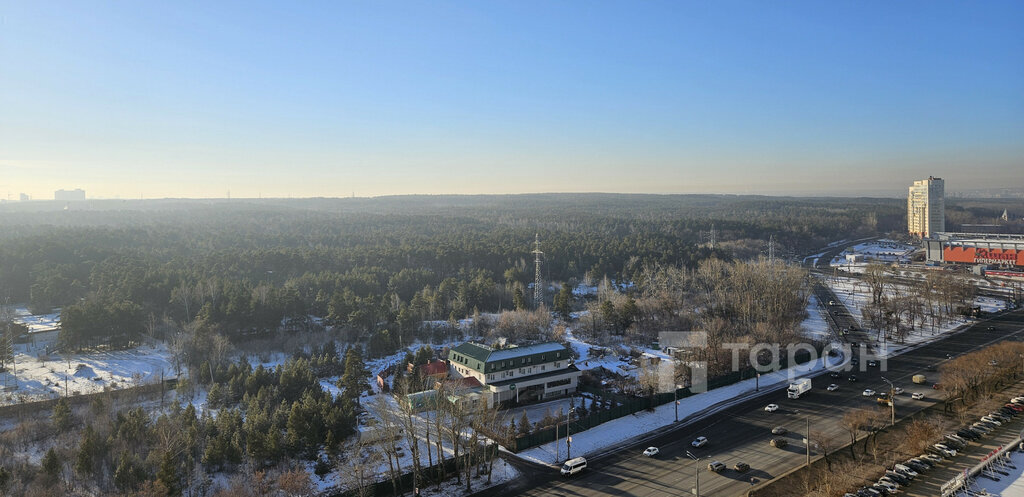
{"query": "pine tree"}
{"type": "Point", "coordinates": [61, 415]}
{"type": "Point", "coordinates": [563, 301]}
{"type": "Point", "coordinates": [85, 462]}
{"type": "Point", "coordinates": [51, 466]}
{"type": "Point", "coordinates": [6, 350]}
{"type": "Point", "coordinates": [518, 299]}
{"type": "Point", "coordinates": [524, 424]}
{"type": "Point", "coordinates": [354, 378]}
{"type": "Point", "coordinates": [168, 474]}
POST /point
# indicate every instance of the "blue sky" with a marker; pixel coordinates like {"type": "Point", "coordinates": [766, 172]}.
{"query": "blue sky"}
{"type": "Point", "coordinates": [195, 99]}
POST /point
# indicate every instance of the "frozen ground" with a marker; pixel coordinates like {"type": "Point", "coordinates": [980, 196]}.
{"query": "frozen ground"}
{"type": "Point", "coordinates": [40, 376]}
{"type": "Point", "coordinates": [856, 295]}
{"type": "Point", "coordinates": [887, 251]}
{"type": "Point", "coordinates": [614, 432]}
{"type": "Point", "coordinates": [1010, 486]}
{"type": "Point", "coordinates": [37, 323]}
{"type": "Point", "coordinates": [815, 326]}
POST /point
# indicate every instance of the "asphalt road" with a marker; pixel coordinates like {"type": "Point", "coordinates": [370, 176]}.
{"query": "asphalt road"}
{"type": "Point", "coordinates": [742, 433]}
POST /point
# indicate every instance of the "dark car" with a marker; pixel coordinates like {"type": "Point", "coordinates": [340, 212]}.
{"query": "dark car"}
{"type": "Point", "coordinates": [968, 433]}
{"type": "Point", "coordinates": [917, 466]}
{"type": "Point", "coordinates": [931, 367]}
{"type": "Point", "coordinates": [741, 467]}
{"type": "Point", "coordinates": [852, 378]}
{"type": "Point", "coordinates": [779, 443]}
{"type": "Point", "coordinates": [901, 479]}
{"type": "Point", "coordinates": [834, 374]}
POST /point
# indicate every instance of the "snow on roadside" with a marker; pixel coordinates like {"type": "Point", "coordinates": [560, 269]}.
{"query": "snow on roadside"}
{"type": "Point", "coordinates": [815, 326]}
{"type": "Point", "coordinates": [856, 295]}
{"type": "Point", "coordinates": [615, 432]}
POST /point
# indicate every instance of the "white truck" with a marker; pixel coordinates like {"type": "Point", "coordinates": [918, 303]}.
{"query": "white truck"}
{"type": "Point", "coordinates": [798, 388]}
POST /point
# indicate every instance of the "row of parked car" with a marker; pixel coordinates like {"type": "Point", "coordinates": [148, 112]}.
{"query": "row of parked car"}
{"type": "Point", "coordinates": [951, 444]}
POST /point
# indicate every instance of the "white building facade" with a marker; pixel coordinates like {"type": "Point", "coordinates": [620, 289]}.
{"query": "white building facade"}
{"type": "Point", "coordinates": [517, 374]}
{"type": "Point", "coordinates": [926, 208]}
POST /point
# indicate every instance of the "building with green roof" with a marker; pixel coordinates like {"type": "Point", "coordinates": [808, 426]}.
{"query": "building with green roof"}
{"type": "Point", "coordinates": [516, 374]}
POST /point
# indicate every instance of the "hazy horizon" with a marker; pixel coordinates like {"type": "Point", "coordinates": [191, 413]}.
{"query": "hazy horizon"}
{"type": "Point", "coordinates": [276, 100]}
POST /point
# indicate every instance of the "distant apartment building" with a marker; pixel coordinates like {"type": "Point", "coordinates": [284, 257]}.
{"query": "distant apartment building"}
{"type": "Point", "coordinates": [516, 374]}
{"type": "Point", "coordinates": [926, 209]}
{"type": "Point", "coordinates": [76, 194]}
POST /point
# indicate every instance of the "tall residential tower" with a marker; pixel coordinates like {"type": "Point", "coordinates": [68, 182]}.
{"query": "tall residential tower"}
{"type": "Point", "coordinates": [926, 212]}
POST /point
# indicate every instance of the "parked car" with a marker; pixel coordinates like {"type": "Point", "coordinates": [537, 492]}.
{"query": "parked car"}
{"type": "Point", "coordinates": [905, 470]}
{"type": "Point", "coordinates": [651, 451]}
{"type": "Point", "coordinates": [779, 443]}
{"type": "Point", "coordinates": [968, 434]}
{"type": "Point", "coordinates": [741, 467]}
{"type": "Point", "coordinates": [898, 478]}
{"type": "Point", "coordinates": [983, 428]}
{"type": "Point", "coordinates": [716, 466]}
{"type": "Point", "coordinates": [779, 430]}
{"type": "Point", "coordinates": [945, 450]}
{"type": "Point", "coordinates": [917, 465]}
{"type": "Point", "coordinates": [932, 458]}
{"type": "Point", "coordinates": [699, 442]}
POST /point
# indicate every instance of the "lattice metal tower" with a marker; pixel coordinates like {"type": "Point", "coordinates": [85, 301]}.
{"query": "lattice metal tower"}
{"type": "Point", "coordinates": [538, 281]}
{"type": "Point", "coordinates": [710, 236]}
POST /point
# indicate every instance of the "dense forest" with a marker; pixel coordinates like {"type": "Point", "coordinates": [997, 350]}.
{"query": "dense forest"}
{"type": "Point", "coordinates": [379, 266]}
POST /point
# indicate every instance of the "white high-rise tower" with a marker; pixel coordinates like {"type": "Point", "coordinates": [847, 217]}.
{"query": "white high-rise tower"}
{"type": "Point", "coordinates": [926, 208]}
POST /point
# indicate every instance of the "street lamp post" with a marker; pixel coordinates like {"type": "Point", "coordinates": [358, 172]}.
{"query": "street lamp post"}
{"type": "Point", "coordinates": [696, 471]}
{"type": "Point", "coordinates": [892, 401]}
{"type": "Point", "coordinates": [568, 437]}
{"type": "Point", "coordinates": [675, 400]}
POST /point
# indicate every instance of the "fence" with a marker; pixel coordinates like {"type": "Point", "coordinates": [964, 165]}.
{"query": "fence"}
{"type": "Point", "coordinates": [34, 407]}
{"type": "Point", "coordinates": [627, 405]}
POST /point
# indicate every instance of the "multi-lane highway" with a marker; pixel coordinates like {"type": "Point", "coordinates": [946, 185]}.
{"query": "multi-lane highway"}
{"type": "Point", "coordinates": [742, 433]}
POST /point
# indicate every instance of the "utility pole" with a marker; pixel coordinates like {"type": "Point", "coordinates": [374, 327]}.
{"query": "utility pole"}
{"type": "Point", "coordinates": [808, 442]}
{"type": "Point", "coordinates": [568, 436]}
{"type": "Point", "coordinates": [696, 472]}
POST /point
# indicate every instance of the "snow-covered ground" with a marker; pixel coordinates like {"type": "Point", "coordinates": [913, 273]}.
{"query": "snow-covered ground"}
{"type": "Point", "coordinates": [856, 295]}
{"type": "Point", "coordinates": [40, 376]}
{"type": "Point", "coordinates": [815, 326]}
{"type": "Point", "coordinates": [39, 323]}
{"type": "Point", "coordinates": [1010, 486]}
{"type": "Point", "coordinates": [886, 251]}
{"type": "Point", "coordinates": [613, 433]}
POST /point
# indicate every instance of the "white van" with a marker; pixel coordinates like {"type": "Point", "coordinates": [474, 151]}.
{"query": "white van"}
{"type": "Point", "coordinates": [573, 466]}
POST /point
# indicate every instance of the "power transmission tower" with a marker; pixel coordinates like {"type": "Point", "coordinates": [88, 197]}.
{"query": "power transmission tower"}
{"type": "Point", "coordinates": [538, 281]}
{"type": "Point", "coordinates": [710, 236]}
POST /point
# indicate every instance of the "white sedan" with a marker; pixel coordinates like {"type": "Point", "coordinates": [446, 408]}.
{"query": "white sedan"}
{"type": "Point", "coordinates": [771, 407]}
{"type": "Point", "coordinates": [651, 451]}
{"type": "Point", "coordinates": [833, 387]}
{"type": "Point", "coordinates": [868, 392]}
{"type": "Point", "coordinates": [897, 390]}
{"type": "Point", "coordinates": [917, 395]}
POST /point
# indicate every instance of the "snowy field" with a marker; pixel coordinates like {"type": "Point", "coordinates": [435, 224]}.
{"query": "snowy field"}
{"type": "Point", "coordinates": [615, 432]}
{"type": "Point", "coordinates": [856, 295]}
{"type": "Point", "coordinates": [41, 376]}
